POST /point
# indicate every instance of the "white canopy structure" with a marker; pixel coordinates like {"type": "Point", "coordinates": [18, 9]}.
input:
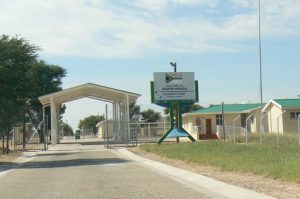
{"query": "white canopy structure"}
{"type": "Point", "coordinates": [120, 101]}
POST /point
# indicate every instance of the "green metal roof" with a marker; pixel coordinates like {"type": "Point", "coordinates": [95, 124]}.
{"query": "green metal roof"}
{"type": "Point", "coordinates": [288, 103]}
{"type": "Point", "coordinates": [228, 108]}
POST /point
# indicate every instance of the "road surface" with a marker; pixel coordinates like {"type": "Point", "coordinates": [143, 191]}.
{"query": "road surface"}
{"type": "Point", "coordinates": [71, 172]}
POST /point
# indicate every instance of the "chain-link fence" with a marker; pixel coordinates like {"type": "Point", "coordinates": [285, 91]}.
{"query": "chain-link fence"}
{"type": "Point", "coordinates": [129, 134]}
{"type": "Point", "coordinates": [17, 140]}
{"type": "Point", "coordinates": [241, 135]}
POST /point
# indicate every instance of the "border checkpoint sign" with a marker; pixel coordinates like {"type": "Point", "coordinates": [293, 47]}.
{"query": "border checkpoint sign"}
{"type": "Point", "coordinates": [174, 87]}
{"type": "Point", "coordinates": [174, 90]}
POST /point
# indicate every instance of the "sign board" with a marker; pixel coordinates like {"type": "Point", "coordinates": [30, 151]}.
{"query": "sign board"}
{"type": "Point", "coordinates": [174, 86]}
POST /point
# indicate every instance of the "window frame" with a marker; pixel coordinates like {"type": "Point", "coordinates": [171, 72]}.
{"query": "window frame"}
{"type": "Point", "coordinates": [219, 119]}
{"type": "Point", "coordinates": [295, 115]}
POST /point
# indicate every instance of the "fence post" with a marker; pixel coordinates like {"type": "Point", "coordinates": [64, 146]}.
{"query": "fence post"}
{"type": "Point", "coordinates": [299, 129]}
{"type": "Point", "coordinates": [278, 126]}
{"type": "Point", "coordinates": [233, 134]}
{"type": "Point", "coordinates": [277, 137]}
{"type": "Point", "coordinates": [106, 125]}
{"type": "Point", "coordinates": [246, 132]}
{"type": "Point", "coordinates": [14, 137]}
{"type": "Point", "coordinates": [149, 130]}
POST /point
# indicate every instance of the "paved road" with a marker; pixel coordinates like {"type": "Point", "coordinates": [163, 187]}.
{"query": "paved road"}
{"type": "Point", "coordinates": [84, 174]}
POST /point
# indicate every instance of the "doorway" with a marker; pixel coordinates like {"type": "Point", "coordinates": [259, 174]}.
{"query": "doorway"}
{"type": "Point", "coordinates": [208, 126]}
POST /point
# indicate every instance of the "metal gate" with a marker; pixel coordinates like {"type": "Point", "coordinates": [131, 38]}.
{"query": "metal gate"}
{"type": "Point", "coordinates": [131, 134]}
{"type": "Point", "coordinates": [33, 139]}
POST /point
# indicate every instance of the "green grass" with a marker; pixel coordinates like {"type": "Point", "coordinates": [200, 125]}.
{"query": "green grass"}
{"type": "Point", "coordinates": [281, 162]}
{"type": "Point", "coordinates": [271, 139]}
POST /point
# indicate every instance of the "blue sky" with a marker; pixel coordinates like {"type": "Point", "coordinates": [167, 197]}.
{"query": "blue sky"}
{"type": "Point", "coordinates": [121, 43]}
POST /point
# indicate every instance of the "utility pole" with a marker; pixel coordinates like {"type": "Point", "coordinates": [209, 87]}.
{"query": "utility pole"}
{"type": "Point", "coordinates": [260, 77]}
{"type": "Point", "coordinates": [223, 120]}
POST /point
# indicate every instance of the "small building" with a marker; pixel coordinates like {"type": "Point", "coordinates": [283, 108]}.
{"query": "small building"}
{"type": "Point", "coordinates": [101, 129]}
{"type": "Point", "coordinates": [283, 115]}
{"type": "Point", "coordinates": [205, 123]}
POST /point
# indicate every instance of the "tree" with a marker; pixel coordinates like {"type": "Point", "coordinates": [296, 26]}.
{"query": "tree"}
{"type": "Point", "coordinates": [23, 78]}
{"type": "Point", "coordinates": [134, 112]}
{"type": "Point", "coordinates": [150, 115]}
{"type": "Point", "coordinates": [16, 56]}
{"type": "Point", "coordinates": [90, 122]}
{"type": "Point", "coordinates": [191, 108]}
{"type": "Point", "coordinates": [43, 79]}
{"type": "Point", "coordinates": [186, 109]}
{"type": "Point", "coordinates": [68, 131]}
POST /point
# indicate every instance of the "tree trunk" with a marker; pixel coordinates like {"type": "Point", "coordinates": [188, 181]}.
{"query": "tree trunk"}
{"type": "Point", "coordinates": [24, 130]}
{"type": "Point", "coordinates": [3, 150]}
{"type": "Point", "coordinates": [7, 141]}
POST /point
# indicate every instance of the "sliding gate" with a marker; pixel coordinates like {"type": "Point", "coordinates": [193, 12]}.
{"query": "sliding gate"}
{"type": "Point", "coordinates": [132, 133]}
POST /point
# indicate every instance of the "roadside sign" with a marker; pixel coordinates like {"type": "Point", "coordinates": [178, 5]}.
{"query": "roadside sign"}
{"type": "Point", "coordinates": [174, 86]}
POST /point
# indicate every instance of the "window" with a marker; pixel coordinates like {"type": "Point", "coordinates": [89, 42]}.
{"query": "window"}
{"type": "Point", "coordinates": [252, 119]}
{"type": "Point", "coordinates": [243, 120]}
{"type": "Point", "coordinates": [219, 119]}
{"type": "Point", "coordinates": [294, 115]}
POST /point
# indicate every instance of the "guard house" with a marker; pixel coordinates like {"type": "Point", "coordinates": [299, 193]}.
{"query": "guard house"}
{"type": "Point", "coordinates": [119, 99]}
{"type": "Point", "coordinates": [283, 115]}
{"type": "Point", "coordinates": [203, 123]}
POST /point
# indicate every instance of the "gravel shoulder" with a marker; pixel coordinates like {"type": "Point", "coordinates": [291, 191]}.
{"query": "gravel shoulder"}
{"type": "Point", "coordinates": [5, 158]}
{"type": "Point", "coordinates": [261, 184]}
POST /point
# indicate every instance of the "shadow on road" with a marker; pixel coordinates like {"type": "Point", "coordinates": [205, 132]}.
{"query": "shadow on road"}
{"type": "Point", "coordinates": [56, 154]}
{"type": "Point", "coordinates": [61, 163]}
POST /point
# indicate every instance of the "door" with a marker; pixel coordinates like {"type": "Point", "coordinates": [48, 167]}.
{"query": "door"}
{"type": "Point", "coordinates": [208, 126]}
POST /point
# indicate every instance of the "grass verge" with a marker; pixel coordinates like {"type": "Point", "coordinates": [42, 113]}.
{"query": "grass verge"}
{"type": "Point", "coordinates": [281, 162]}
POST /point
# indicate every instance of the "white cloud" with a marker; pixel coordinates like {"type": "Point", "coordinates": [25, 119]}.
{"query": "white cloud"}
{"type": "Point", "coordinates": [210, 3]}
{"type": "Point", "coordinates": [102, 29]}
{"type": "Point", "coordinates": [160, 6]}
{"type": "Point", "coordinates": [244, 3]}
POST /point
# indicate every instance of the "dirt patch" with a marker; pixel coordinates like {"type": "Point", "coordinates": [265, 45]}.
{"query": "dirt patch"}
{"type": "Point", "coordinates": [9, 157]}
{"type": "Point", "coordinates": [261, 184]}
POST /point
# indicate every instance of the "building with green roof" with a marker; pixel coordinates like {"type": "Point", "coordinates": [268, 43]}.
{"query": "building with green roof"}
{"type": "Point", "coordinates": [228, 108]}
{"type": "Point", "coordinates": [279, 115]}
{"type": "Point", "coordinates": [283, 115]}
{"type": "Point", "coordinates": [206, 122]}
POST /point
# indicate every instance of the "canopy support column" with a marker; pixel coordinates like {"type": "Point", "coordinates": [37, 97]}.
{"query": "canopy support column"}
{"type": "Point", "coordinates": [57, 124]}
{"type": "Point", "coordinates": [53, 122]}
{"type": "Point", "coordinates": [44, 128]}
{"type": "Point", "coordinates": [127, 116]}
{"type": "Point", "coordinates": [114, 118]}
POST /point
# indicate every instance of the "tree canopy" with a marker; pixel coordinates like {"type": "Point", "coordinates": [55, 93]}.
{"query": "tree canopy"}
{"type": "Point", "coordinates": [186, 109]}
{"type": "Point", "coordinates": [134, 112]}
{"type": "Point", "coordinates": [150, 115]}
{"type": "Point", "coordinates": [23, 78]}
{"type": "Point", "coordinates": [90, 122]}
{"type": "Point", "coordinates": [68, 131]}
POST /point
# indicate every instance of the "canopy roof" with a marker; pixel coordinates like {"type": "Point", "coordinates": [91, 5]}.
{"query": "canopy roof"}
{"type": "Point", "coordinates": [91, 91]}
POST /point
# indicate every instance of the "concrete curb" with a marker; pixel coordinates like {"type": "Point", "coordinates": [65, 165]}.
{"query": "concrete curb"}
{"type": "Point", "coordinates": [197, 181]}
{"type": "Point", "coordinates": [26, 157]}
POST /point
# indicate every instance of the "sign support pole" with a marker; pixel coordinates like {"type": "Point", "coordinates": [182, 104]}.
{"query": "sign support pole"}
{"type": "Point", "coordinates": [178, 114]}
{"type": "Point", "coordinates": [171, 110]}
